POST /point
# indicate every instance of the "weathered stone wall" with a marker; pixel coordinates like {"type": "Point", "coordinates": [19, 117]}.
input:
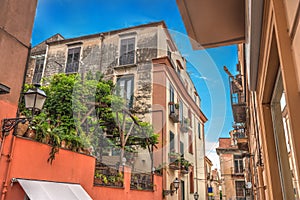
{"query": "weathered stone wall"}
{"type": "Point", "coordinates": [90, 56]}
{"type": "Point", "coordinates": [55, 62]}
{"type": "Point", "coordinates": [38, 50]}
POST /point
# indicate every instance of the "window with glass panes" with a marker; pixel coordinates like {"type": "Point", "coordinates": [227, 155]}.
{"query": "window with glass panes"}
{"type": "Point", "coordinates": [190, 143]}
{"type": "Point", "coordinates": [238, 164]}
{"type": "Point", "coordinates": [73, 60]}
{"type": "Point", "coordinates": [181, 111]}
{"type": "Point", "coordinates": [181, 148]}
{"type": "Point", "coordinates": [127, 51]}
{"type": "Point", "coordinates": [199, 130]}
{"type": "Point", "coordinates": [125, 89]}
{"type": "Point", "coordinates": [240, 190]}
{"type": "Point", "coordinates": [38, 71]}
{"type": "Point", "coordinates": [172, 105]}
{"type": "Point", "coordinates": [172, 142]}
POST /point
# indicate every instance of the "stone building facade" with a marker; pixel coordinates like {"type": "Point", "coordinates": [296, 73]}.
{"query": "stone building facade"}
{"type": "Point", "coordinates": [146, 64]}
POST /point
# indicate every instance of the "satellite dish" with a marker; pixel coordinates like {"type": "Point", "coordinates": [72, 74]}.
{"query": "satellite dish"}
{"type": "Point", "coordinates": [248, 185]}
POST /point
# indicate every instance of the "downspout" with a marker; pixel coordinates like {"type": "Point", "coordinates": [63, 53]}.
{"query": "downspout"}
{"type": "Point", "coordinates": [12, 144]}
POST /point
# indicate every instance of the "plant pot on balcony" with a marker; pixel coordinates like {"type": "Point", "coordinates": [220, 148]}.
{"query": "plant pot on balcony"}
{"type": "Point", "coordinates": [174, 117]}
{"type": "Point", "coordinates": [184, 128]}
{"type": "Point", "coordinates": [174, 166]}
{"type": "Point", "coordinates": [184, 171]}
{"type": "Point", "coordinates": [185, 125]}
{"type": "Point", "coordinates": [174, 112]}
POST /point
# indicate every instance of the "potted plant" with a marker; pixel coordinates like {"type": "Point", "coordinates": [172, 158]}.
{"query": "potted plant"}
{"type": "Point", "coordinates": [174, 111]}
{"type": "Point", "coordinates": [185, 165]}
{"type": "Point", "coordinates": [112, 180]}
{"type": "Point", "coordinates": [174, 160]}
{"type": "Point", "coordinates": [120, 179]}
{"type": "Point", "coordinates": [100, 179]}
{"type": "Point", "coordinates": [185, 125]}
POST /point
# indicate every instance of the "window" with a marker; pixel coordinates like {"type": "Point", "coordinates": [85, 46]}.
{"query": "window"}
{"type": "Point", "coordinates": [180, 111]}
{"type": "Point", "coordinates": [38, 71]}
{"type": "Point", "coordinates": [182, 190]}
{"type": "Point", "coordinates": [127, 51]}
{"type": "Point", "coordinates": [178, 72]}
{"type": "Point", "coordinates": [181, 149]}
{"type": "Point", "coordinates": [192, 180]}
{"type": "Point", "coordinates": [172, 142]}
{"type": "Point", "coordinates": [171, 93]}
{"type": "Point", "coordinates": [169, 53]}
{"type": "Point", "coordinates": [240, 190]}
{"type": "Point", "coordinates": [199, 130]}
{"type": "Point", "coordinates": [125, 89]}
{"type": "Point", "coordinates": [190, 143]}
{"type": "Point", "coordinates": [238, 164]}
{"type": "Point", "coordinates": [190, 117]}
{"type": "Point", "coordinates": [172, 107]}
{"type": "Point", "coordinates": [73, 60]}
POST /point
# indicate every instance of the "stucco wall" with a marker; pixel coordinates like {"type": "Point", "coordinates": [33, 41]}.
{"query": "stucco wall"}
{"type": "Point", "coordinates": [30, 162]}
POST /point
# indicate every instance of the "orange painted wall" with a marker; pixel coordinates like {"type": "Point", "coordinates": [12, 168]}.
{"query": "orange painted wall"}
{"type": "Point", "coordinates": [29, 161]}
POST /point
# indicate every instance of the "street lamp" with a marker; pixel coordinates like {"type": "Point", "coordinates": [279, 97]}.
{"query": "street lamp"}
{"type": "Point", "coordinates": [34, 101]}
{"type": "Point", "coordinates": [173, 188]}
{"type": "Point", "coordinates": [196, 195]}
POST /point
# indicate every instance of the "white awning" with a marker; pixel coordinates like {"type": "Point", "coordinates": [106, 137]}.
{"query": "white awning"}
{"type": "Point", "coordinates": [44, 190]}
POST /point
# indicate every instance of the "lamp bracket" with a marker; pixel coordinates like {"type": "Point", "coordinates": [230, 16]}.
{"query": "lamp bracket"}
{"type": "Point", "coordinates": [168, 192]}
{"type": "Point", "coordinates": [11, 123]}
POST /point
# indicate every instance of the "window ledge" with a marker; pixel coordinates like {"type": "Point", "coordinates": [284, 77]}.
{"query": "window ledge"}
{"type": "Point", "coordinates": [126, 65]}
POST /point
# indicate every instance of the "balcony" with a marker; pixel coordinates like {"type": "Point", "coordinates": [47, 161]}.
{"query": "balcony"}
{"type": "Point", "coordinates": [108, 176]}
{"type": "Point", "coordinates": [238, 99]}
{"type": "Point", "coordinates": [141, 181]}
{"type": "Point", "coordinates": [242, 140]}
{"type": "Point", "coordinates": [174, 161]}
{"type": "Point", "coordinates": [184, 166]}
{"type": "Point", "coordinates": [174, 112]}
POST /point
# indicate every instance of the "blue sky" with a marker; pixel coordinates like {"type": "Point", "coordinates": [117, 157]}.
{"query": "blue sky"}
{"type": "Point", "coordinates": [72, 18]}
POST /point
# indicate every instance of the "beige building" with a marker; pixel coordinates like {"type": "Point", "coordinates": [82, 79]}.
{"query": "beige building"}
{"type": "Point", "coordinates": [215, 184]}
{"type": "Point", "coordinates": [151, 74]}
{"type": "Point", "coordinates": [271, 56]}
{"type": "Point", "coordinates": [213, 181]}
{"type": "Point", "coordinates": [232, 169]}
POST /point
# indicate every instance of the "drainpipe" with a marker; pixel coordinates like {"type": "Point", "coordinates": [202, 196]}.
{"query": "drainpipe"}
{"type": "Point", "coordinates": [12, 144]}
